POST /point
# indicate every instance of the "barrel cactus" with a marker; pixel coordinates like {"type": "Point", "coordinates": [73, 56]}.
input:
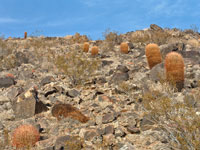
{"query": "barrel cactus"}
{"type": "Point", "coordinates": [124, 47]}
{"type": "Point", "coordinates": [86, 47]}
{"type": "Point", "coordinates": [25, 35]}
{"type": "Point", "coordinates": [25, 136]}
{"type": "Point", "coordinates": [153, 55]}
{"type": "Point", "coordinates": [94, 50]}
{"type": "Point", "coordinates": [174, 66]}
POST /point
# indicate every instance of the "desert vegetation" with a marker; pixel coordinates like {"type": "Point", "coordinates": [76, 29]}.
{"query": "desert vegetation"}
{"type": "Point", "coordinates": [145, 97]}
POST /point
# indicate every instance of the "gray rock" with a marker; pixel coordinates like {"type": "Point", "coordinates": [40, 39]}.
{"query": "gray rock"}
{"type": "Point", "coordinates": [47, 80]}
{"type": "Point", "coordinates": [73, 93]}
{"type": "Point", "coordinates": [117, 77]}
{"type": "Point", "coordinates": [4, 99]}
{"type": "Point", "coordinates": [127, 146]}
{"type": "Point", "coordinates": [7, 82]}
{"type": "Point", "coordinates": [90, 134]}
{"type": "Point", "coordinates": [155, 27]}
{"type": "Point", "coordinates": [122, 68]}
{"type": "Point", "coordinates": [106, 62]}
{"type": "Point", "coordinates": [166, 48]}
{"type": "Point", "coordinates": [109, 117]}
{"type": "Point", "coordinates": [24, 108]}
{"type": "Point", "coordinates": [109, 129]}
{"type": "Point", "coordinates": [157, 73]}
{"type": "Point", "coordinates": [133, 129]}
{"type": "Point", "coordinates": [68, 143]}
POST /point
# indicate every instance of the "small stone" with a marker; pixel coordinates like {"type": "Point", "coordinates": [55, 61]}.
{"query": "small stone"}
{"type": "Point", "coordinates": [107, 118]}
{"type": "Point", "coordinates": [89, 135]}
{"type": "Point", "coordinates": [73, 93]}
{"type": "Point", "coordinates": [133, 130]}
{"type": "Point", "coordinates": [68, 143]}
{"type": "Point", "coordinates": [122, 68]}
{"type": "Point", "coordinates": [47, 80]}
{"type": "Point", "coordinates": [109, 129]}
{"type": "Point", "coordinates": [7, 82]}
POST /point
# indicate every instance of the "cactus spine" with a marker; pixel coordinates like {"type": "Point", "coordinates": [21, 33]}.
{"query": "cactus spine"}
{"type": "Point", "coordinates": [153, 55]}
{"type": "Point", "coordinates": [124, 47]}
{"type": "Point", "coordinates": [174, 66]}
{"type": "Point", "coordinates": [94, 50]}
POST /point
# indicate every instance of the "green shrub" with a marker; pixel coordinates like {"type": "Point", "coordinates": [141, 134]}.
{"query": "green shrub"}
{"type": "Point", "coordinates": [77, 66]}
{"type": "Point", "coordinates": [111, 39]}
{"type": "Point", "coordinates": [178, 118]}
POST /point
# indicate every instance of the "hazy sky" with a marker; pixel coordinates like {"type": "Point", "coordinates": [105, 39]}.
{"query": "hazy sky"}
{"type": "Point", "coordinates": [93, 17]}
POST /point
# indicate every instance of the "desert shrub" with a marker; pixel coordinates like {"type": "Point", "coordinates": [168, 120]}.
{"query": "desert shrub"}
{"type": "Point", "coordinates": [5, 141]}
{"type": "Point", "coordinates": [77, 38]}
{"type": "Point", "coordinates": [178, 118]}
{"type": "Point", "coordinates": [158, 37]}
{"type": "Point", "coordinates": [7, 60]}
{"type": "Point", "coordinates": [111, 39]}
{"type": "Point", "coordinates": [77, 66]}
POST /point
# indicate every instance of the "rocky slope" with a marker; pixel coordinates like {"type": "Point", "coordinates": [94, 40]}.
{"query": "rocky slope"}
{"type": "Point", "coordinates": [112, 94]}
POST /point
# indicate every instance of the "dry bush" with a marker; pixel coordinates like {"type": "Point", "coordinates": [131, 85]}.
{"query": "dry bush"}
{"type": "Point", "coordinates": [6, 140]}
{"type": "Point", "coordinates": [77, 38]}
{"type": "Point", "coordinates": [77, 66]}
{"type": "Point", "coordinates": [158, 37]}
{"type": "Point", "coordinates": [111, 39]}
{"type": "Point", "coordinates": [7, 60]}
{"type": "Point", "coordinates": [194, 43]}
{"type": "Point", "coordinates": [178, 118]}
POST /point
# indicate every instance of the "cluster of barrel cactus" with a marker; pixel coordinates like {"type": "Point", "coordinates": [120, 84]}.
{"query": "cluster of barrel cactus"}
{"type": "Point", "coordinates": [94, 49]}
{"type": "Point", "coordinates": [174, 64]}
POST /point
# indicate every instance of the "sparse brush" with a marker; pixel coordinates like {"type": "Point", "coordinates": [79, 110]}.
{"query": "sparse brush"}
{"type": "Point", "coordinates": [145, 37]}
{"type": "Point", "coordinates": [94, 50]}
{"type": "Point", "coordinates": [174, 66]}
{"type": "Point", "coordinates": [111, 39]}
{"type": "Point", "coordinates": [153, 55]}
{"type": "Point", "coordinates": [25, 136]}
{"type": "Point", "coordinates": [77, 66]}
{"type": "Point", "coordinates": [124, 47]}
{"type": "Point", "coordinates": [178, 119]}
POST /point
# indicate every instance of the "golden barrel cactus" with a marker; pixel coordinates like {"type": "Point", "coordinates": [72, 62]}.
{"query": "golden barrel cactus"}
{"type": "Point", "coordinates": [174, 66]}
{"type": "Point", "coordinates": [124, 47]}
{"type": "Point", "coordinates": [153, 55]}
{"type": "Point", "coordinates": [25, 35]}
{"type": "Point", "coordinates": [25, 136]}
{"type": "Point", "coordinates": [94, 50]}
{"type": "Point", "coordinates": [86, 47]}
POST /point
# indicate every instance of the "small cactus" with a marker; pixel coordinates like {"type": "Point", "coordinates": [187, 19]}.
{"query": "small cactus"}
{"type": "Point", "coordinates": [25, 35]}
{"type": "Point", "coordinates": [124, 47]}
{"type": "Point", "coordinates": [153, 55]}
{"type": "Point", "coordinates": [174, 66]}
{"type": "Point", "coordinates": [94, 50]}
{"type": "Point", "coordinates": [25, 136]}
{"type": "Point", "coordinates": [86, 47]}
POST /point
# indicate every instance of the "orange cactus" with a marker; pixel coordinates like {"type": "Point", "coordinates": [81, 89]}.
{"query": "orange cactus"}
{"type": "Point", "coordinates": [94, 50]}
{"type": "Point", "coordinates": [124, 47]}
{"type": "Point", "coordinates": [153, 55]}
{"type": "Point", "coordinates": [174, 66]}
{"type": "Point", "coordinates": [25, 136]}
{"type": "Point", "coordinates": [86, 47]}
{"type": "Point", "coordinates": [25, 35]}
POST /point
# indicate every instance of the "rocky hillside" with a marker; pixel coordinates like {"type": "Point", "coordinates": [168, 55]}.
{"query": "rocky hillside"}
{"type": "Point", "coordinates": [108, 101]}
